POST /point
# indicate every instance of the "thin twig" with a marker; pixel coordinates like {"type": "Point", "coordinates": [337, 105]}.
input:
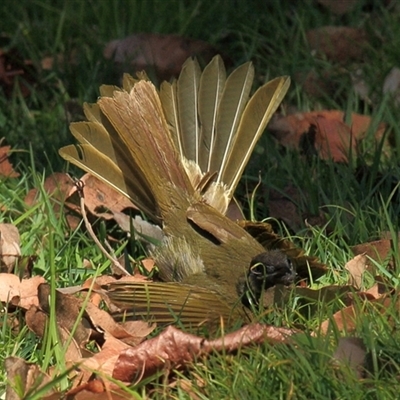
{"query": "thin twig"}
{"type": "Point", "coordinates": [79, 185]}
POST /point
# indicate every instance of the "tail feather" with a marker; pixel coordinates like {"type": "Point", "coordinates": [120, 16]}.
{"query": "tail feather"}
{"type": "Point", "coordinates": [187, 94]}
{"type": "Point", "coordinates": [139, 120]}
{"type": "Point", "coordinates": [234, 98]}
{"type": "Point", "coordinates": [255, 118]}
{"type": "Point", "coordinates": [212, 84]}
{"type": "Point", "coordinates": [229, 123]}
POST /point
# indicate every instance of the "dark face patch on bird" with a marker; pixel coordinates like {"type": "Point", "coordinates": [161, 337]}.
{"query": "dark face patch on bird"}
{"type": "Point", "coordinates": [267, 270]}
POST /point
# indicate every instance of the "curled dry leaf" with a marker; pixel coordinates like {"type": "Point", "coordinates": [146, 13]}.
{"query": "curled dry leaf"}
{"type": "Point", "coordinates": [174, 348]}
{"type": "Point", "coordinates": [6, 168]}
{"type": "Point", "coordinates": [37, 320]}
{"type": "Point", "coordinates": [283, 206]}
{"type": "Point", "coordinates": [356, 268]}
{"type": "Point", "coordinates": [343, 320]}
{"type": "Point", "coordinates": [23, 375]}
{"type": "Point", "coordinates": [162, 54]}
{"type": "Point", "coordinates": [339, 7]}
{"type": "Point", "coordinates": [13, 66]}
{"type": "Point", "coordinates": [352, 352]}
{"type": "Point", "coordinates": [22, 293]}
{"type": "Point", "coordinates": [104, 361]}
{"type": "Point", "coordinates": [67, 312]}
{"type": "Point", "coordinates": [101, 199]}
{"type": "Point", "coordinates": [10, 251]}
{"type": "Point", "coordinates": [59, 185]}
{"type": "Point", "coordinates": [324, 132]}
{"type": "Point", "coordinates": [338, 43]}
{"type": "Point", "coordinates": [318, 83]}
{"type": "Point", "coordinates": [346, 319]}
{"type": "Point", "coordinates": [378, 250]}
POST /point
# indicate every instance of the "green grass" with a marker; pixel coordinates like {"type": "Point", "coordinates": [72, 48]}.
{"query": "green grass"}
{"type": "Point", "coordinates": [359, 200]}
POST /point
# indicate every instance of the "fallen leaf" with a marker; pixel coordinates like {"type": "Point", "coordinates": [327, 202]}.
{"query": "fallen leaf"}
{"type": "Point", "coordinates": [377, 250]}
{"type": "Point", "coordinates": [59, 186]}
{"type": "Point", "coordinates": [104, 361]}
{"type": "Point", "coordinates": [319, 83]}
{"type": "Point", "coordinates": [282, 205]}
{"type": "Point", "coordinates": [338, 43]}
{"type": "Point", "coordinates": [163, 54]}
{"type": "Point", "coordinates": [101, 199]}
{"type": "Point", "coordinates": [6, 168]}
{"type": "Point", "coordinates": [67, 311]}
{"type": "Point", "coordinates": [22, 293]}
{"type": "Point", "coordinates": [37, 320]}
{"type": "Point", "coordinates": [352, 352]}
{"type": "Point", "coordinates": [13, 66]}
{"type": "Point", "coordinates": [339, 7]}
{"type": "Point", "coordinates": [174, 348]}
{"type": "Point", "coordinates": [23, 375]}
{"type": "Point", "coordinates": [344, 320]}
{"type": "Point", "coordinates": [356, 268]}
{"type": "Point", "coordinates": [324, 133]}
{"type": "Point", "coordinates": [10, 251]}
{"type": "Point", "coordinates": [391, 84]}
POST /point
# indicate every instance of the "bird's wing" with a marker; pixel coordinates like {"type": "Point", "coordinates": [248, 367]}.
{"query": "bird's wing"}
{"type": "Point", "coordinates": [168, 303]}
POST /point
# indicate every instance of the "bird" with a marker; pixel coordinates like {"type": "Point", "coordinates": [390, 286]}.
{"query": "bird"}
{"type": "Point", "coordinates": [178, 154]}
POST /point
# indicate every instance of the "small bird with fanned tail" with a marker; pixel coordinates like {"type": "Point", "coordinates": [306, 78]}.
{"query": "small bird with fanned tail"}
{"type": "Point", "coordinates": [178, 154]}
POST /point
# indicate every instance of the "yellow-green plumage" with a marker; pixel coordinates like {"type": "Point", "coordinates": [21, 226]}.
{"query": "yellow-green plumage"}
{"type": "Point", "coordinates": [131, 143]}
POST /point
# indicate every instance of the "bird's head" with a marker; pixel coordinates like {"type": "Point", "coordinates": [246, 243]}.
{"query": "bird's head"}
{"type": "Point", "coordinates": [267, 270]}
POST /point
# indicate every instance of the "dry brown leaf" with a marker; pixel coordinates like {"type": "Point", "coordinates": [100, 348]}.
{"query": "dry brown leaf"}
{"type": "Point", "coordinates": [356, 268]}
{"type": "Point", "coordinates": [339, 7]}
{"type": "Point", "coordinates": [105, 360]}
{"type": "Point", "coordinates": [374, 292]}
{"type": "Point", "coordinates": [282, 206]}
{"type": "Point", "coordinates": [162, 54]}
{"type": "Point", "coordinates": [338, 43]}
{"type": "Point", "coordinates": [131, 333]}
{"type": "Point", "coordinates": [22, 293]}
{"type": "Point", "coordinates": [377, 250]}
{"type": "Point", "coordinates": [344, 320]}
{"type": "Point", "coordinates": [6, 169]}
{"type": "Point", "coordinates": [25, 376]}
{"type": "Point", "coordinates": [101, 199]}
{"type": "Point", "coordinates": [37, 320]}
{"type": "Point", "coordinates": [10, 251]}
{"type": "Point", "coordinates": [347, 318]}
{"type": "Point", "coordinates": [59, 185]}
{"type": "Point", "coordinates": [320, 83]}
{"type": "Point", "coordinates": [96, 390]}
{"type": "Point", "coordinates": [352, 352]}
{"type": "Point", "coordinates": [67, 310]}
{"type": "Point", "coordinates": [13, 66]}
{"type": "Point", "coordinates": [324, 132]}
{"type": "Point", "coordinates": [173, 349]}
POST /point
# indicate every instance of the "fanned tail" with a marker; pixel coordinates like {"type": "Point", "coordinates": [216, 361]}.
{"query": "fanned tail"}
{"type": "Point", "coordinates": [126, 143]}
{"type": "Point", "coordinates": [216, 124]}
